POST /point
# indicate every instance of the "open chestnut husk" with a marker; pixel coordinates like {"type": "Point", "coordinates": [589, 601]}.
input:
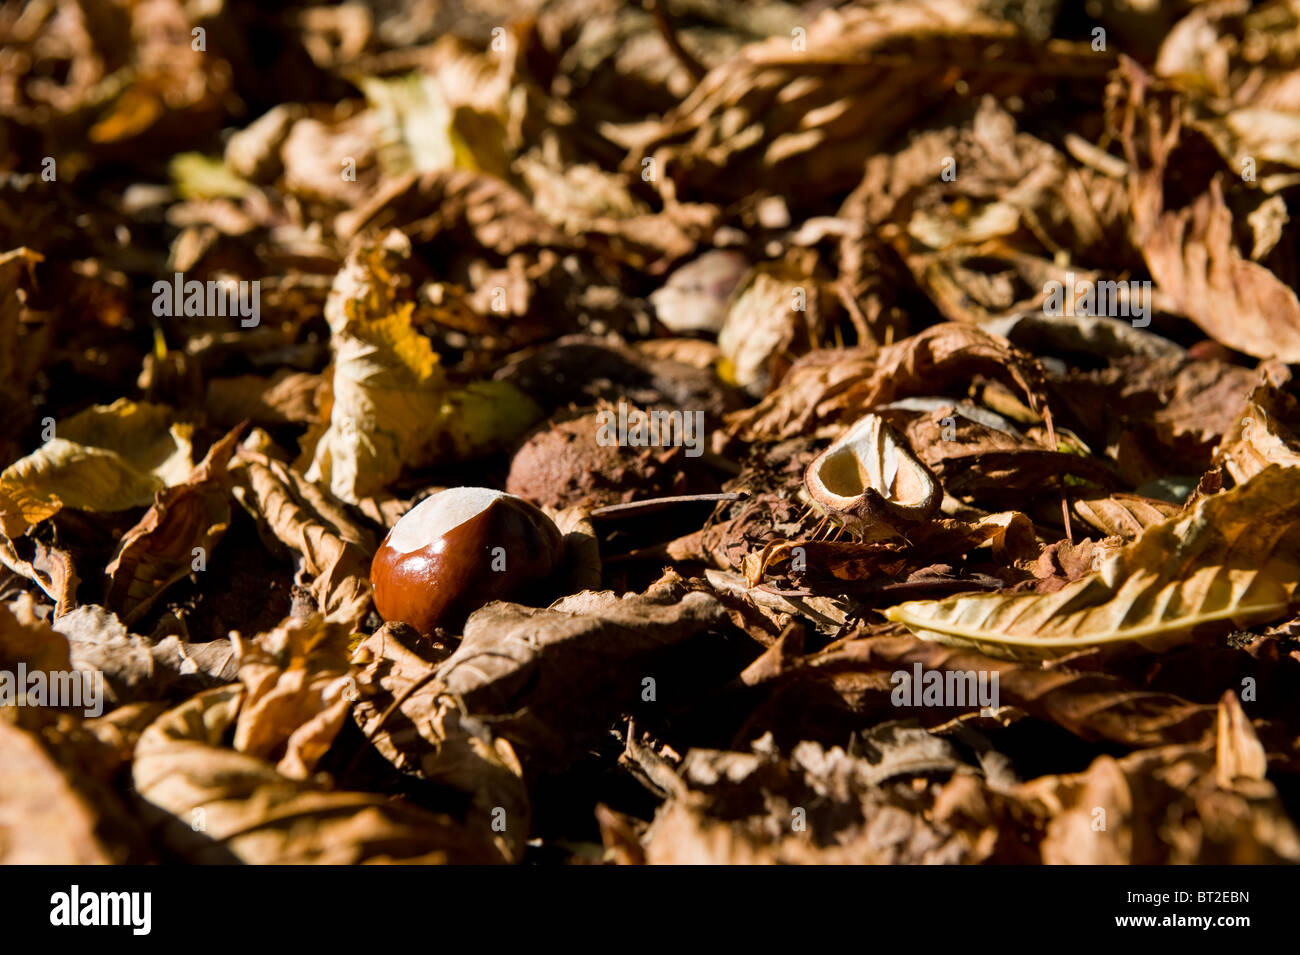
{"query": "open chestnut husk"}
{"type": "Point", "coordinates": [869, 476]}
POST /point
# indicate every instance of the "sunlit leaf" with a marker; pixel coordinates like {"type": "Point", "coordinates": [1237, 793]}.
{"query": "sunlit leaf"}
{"type": "Point", "coordinates": [1233, 560]}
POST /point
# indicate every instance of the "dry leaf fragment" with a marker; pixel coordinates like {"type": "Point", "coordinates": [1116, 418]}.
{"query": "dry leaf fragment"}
{"type": "Point", "coordinates": [334, 550]}
{"type": "Point", "coordinates": [387, 401]}
{"type": "Point", "coordinates": [312, 151]}
{"type": "Point", "coordinates": [216, 805]}
{"type": "Point", "coordinates": [300, 689]}
{"type": "Point", "coordinates": [949, 352]}
{"type": "Point", "coordinates": [773, 313]}
{"type": "Point", "coordinates": [1264, 435]}
{"type": "Point", "coordinates": [253, 153]}
{"type": "Point", "coordinates": [106, 458]}
{"type": "Point", "coordinates": [1169, 805]}
{"type": "Point", "coordinates": [851, 809]}
{"type": "Point", "coordinates": [26, 638]}
{"type": "Point", "coordinates": [974, 460]}
{"type": "Point", "coordinates": [43, 819]}
{"type": "Point", "coordinates": [61, 474]}
{"type": "Point", "coordinates": [1191, 251]}
{"type": "Point", "coordinates": [827, 614]}
{"type": "Point", "coordinates": [50, 567]}
{"type": "Point", "coordinates": [135, 667]}
{"type": "Point", "coordinates": [426, 205]}
{"type": "Point", "coordinates": [1234, 559]}
{"type": "Point", "coordinates": [415, 126]}
{"type": "Point", "coordinates": [518, 664]}
{"type": "Point", "coordinates": [810, 398]}
{"type": "Point", "coordinates": [19, 354]}
{"type": "Point", "coordinates": [1239, 754]}
{"type": "Point", "coordinates": [184, 525]}
{"type": "Point", "coordinates": [395, 673]}
{"type": "Point", "coordinates": [287, 397]}
{"type": "Point", "coordinates": [1091, 705]}
{"type": "Point", "coordinates": [385, 383]}
{"type": "Point", "coordinates": [413, 725]}
{"type": "Point", "coordinates": [1098, 335]}
{"type": "Point", "coordinates": [145, 435]}
{"type": "Point", "coordinates": [1122, 515]}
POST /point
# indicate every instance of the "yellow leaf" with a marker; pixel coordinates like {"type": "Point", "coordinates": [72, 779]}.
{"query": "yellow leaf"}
{"type": "Point", "coordinates": [416, 122]}
{"type": "Point", "coordinates": [1233, 560]}
{"type": "Point", "coordinates": [64, 474]}
{"type": "Point", "coordinates": [146, 435]}
{"type": "Point", "coordinates": [1262, 437]}
{"type": "Point", "coordinates": [485, 416]}
{"type": "Point", "coordinates": [138, 108]}
{"type": "Point", "coordinates": [106, 458]}
{"type": "Point", "coordinates": [206, 177]}
{"type": "Point", "coordinates": [385, 389]}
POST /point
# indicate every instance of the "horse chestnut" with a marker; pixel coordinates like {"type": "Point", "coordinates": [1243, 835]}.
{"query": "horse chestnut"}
{"type": "Point", "coordinates": [458, 549]}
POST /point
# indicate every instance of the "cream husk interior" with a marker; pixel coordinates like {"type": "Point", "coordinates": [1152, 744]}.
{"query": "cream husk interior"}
{"type": "Point", "coordinates": [865, 457]}
{"type": "Point", "coordinates": [437, 514]}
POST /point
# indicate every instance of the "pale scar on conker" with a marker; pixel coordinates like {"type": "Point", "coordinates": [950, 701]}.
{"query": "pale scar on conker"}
{"type": "Point", "coordinates": [457, 550]}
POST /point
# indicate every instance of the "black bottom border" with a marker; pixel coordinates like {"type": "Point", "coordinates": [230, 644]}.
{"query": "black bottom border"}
{"type": "Point", "coordinates": [335, 905]}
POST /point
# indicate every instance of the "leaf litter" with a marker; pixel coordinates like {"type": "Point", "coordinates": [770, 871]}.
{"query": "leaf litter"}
{"type": "Point", "coordinates": [909, 382]}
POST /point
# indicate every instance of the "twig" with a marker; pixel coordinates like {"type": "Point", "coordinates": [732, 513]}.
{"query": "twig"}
{"type": "Point", "coordinates": [657, 503]}
{"type": "Point", "coordinates": [693, 66]}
